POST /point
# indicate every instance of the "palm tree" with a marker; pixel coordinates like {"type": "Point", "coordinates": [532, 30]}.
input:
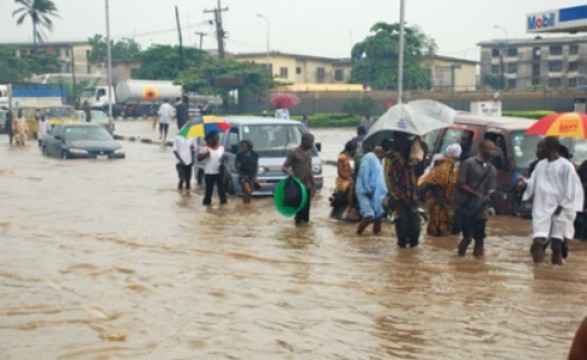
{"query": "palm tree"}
{"type": "Point", "coordinates": [40, 12]}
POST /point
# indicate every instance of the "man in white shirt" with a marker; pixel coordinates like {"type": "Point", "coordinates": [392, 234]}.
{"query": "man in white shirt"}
{"type": "Point", "coordinates": [184, 152]}
{"type": "Point", "coordinates": [165, 115]}
{"type": "Point", "coordinates": [282, 113]}
{"type": "Point", "coordinates": [367, 122]}
{"type": "Point", "coordinates": [558, 196]}
{"type": "Point", "coordinates": [211, 155]}
{"type": "Point", "coordinates": [44, 128]}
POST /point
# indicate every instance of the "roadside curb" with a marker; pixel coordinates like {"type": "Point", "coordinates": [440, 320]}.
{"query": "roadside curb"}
{"type": "Point", "coordinates": [143, 141]}
{"type": "Point", "coordinates": [170, 144]}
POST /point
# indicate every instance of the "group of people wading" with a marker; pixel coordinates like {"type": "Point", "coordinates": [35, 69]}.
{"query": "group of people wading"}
{"type": "Point", "coordinates": [388, 181]}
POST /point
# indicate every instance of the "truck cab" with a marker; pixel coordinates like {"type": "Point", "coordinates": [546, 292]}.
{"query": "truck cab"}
{"type": "Point", "coordinates": [97, 97]}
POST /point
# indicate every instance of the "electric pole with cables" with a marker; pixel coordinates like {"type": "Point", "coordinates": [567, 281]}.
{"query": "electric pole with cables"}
{"type": "Point", "coordinates": [220, 33]}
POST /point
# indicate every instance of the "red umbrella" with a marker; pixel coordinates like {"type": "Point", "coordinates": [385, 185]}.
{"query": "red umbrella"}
{"type": "Point", "coordinates": [285, 101]}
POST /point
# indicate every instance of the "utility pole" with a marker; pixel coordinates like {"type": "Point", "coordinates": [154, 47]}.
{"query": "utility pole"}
{"type": "Point", "coordinates": [181, 63]}
{"type": "Point", "coordinates": [400, 63]}
{"type": "Point", "coordinates": [201, 35]}
{"type": "Point", "coordinates": [220, 33]}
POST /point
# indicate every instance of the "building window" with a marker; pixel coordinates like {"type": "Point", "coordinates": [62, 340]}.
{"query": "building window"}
{"type": "Point", "coordinates": [88, 54]}
{"type": "Point", "coordinates": [511, 83]}
{"type": "Point", "coordinates": [512, 52]}
{"type": "Point", "coordinates": [512, 68]}
{"type": "Point", "coordinates": [573, 82]}
{"type": "Point", "coordinates": [283, 73]}
{"type": "Point", "coordinates": [574, 49]}
{"type": "Point", "coordinates": [320, 74]}
{"type": "Point", "coordinates": [88, 69]}
{"type": "Point", "coordinates": [299, 70]}
{"type": "Point", "coordinates": [555, 66]}
{"type": "Point", "coordinates": [573, 66]}
{"type": "Point", "coordinates": [536, 53]}
{"type": "Point", "coordinates": [66, 52]}
{"type": "Point", "coordinates": [58, 52]}
{"type": "Point", "coordinates": [535, 81]}
{"type": "Point", "coordinates": [556, 50]}
{"type": "Point", "coordinates": [495, 52]}
{"type": "Point", "coordinates": [554, 83]}
{"type": "Point", "coordinates": [338, 75]}
{"type": "Point", "coordinates": [495, 69]}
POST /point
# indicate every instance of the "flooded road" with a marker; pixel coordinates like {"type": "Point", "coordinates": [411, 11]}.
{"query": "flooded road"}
{"type": "Point", "coordinates": [106, 260]}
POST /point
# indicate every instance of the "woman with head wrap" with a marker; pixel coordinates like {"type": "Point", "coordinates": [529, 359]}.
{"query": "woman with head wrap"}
{"type": "Point", "coordinates": [438, 188]}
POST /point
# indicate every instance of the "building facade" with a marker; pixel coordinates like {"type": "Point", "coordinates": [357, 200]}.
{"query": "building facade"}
{"type": "Point", "coordinates": [74, 56]}
{"type": "Point", "coordinates": [452, 74]}
{"type": "Point", "coordinates": [556, 63]}
{"type": "Point", "coordinates": [302, 69]}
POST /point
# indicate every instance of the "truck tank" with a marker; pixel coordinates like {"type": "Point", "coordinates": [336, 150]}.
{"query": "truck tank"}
{"type": "Point", "coordinates": [146, 91]}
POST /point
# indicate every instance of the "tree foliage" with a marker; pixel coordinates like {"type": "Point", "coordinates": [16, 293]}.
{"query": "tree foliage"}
{"type": "Point", "coordinates": [359, 106]}
{"type": "Point", "coordinates": [162, 62]}
{"type": "Point", "coordinates": [376, 58]}
{"type": "Point", "coordinates": [200, 78]}
{"type": "Point", "coordinates": [40, 12]}
{"type": "Point", "coordinates": [496, 82]}
{"type": "Point", "coordinates": [14, 69]}
{"type": "Point", "coordinates": [125, 49]}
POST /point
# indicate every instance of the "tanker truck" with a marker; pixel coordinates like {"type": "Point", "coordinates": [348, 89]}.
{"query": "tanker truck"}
{"type": "Point", "coordinates": [131, 98]}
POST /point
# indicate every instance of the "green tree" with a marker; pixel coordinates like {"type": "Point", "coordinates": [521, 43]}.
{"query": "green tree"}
{"type": "Point", "coordinates": [125, 49]}
{"type": "Point", "coordinates": [161, 62]}
{"type": "Point", "coordinates": [253, 79]}
{"type": "Point", "coordinates": [376, 58]}
{"type": "Point", "coordinates": [13, 69]}
{"type": "Point", "coordinates": [40, 12]}
{"type": "Point", "coordinates": [496, 82]}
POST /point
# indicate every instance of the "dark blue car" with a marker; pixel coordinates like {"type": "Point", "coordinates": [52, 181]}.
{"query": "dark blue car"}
{"type": "Point", "coordinates": [81, 141]}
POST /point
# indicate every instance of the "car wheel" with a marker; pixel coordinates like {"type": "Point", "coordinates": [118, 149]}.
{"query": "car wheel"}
{"type": "Point", "coordinates": [64, 155]}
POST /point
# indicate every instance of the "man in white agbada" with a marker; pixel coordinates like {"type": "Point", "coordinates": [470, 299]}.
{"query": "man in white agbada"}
{"type": "Point", "coordinates": [558, 195]}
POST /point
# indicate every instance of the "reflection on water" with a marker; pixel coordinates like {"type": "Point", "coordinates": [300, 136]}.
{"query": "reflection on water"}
{"type": "Point", "coordinates": [106, 260]}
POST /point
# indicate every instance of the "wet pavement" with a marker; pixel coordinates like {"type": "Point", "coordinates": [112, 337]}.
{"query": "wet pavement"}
{"type": "Point", "coordinates": [106, 260]}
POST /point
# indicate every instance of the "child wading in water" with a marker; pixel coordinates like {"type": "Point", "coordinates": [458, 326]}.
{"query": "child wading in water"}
{"type": "Point", "coordinates": [247, 162]}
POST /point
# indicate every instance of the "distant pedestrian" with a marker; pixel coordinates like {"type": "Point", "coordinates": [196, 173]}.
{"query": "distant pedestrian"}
{"type": "Point", "coordinates": [358, 139]}
{"type": "Point", "coordinates": [371, 190]}
{"type": "Point", "coordinates": [299, 164]}
{"type": "Point", "coordinates": [211, 155]}
{"type": "Point", "coordinates": [8, 126]}
{"type": "Point", "coordinates": [44, 128]}
{"type": "Point", "coordinates": [184, 153]}
{"type": "Point", "coordinates": [181, 111]}
{"type": "Point", "coordinates": [367, 122]}
{"type": "Point", "coordinates": [87, 111]}
{"type": "Point", "coordinates": [247, 163]}
{"type": "Point", "coordinates": [476, 181]}
{"type": "Point", "coordinates": [306, 122]}
{"type": "Point", "coordinates": [282, 113]}
{"type": "Point", "coordinates": [402, 183]}
{"type": "Point", "coordinates": [557, 195]}
{"type": "Point", "coordinates": [165, 113]}
{"type": "Point", "coordinates": [19, 129]}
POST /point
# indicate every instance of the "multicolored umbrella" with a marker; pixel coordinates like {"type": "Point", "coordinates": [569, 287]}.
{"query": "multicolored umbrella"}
{"type": "Point", "coordinates": [570, 124]}
{"type": "Point", "coordinates": [284, 101]}
{"type": "Point", "coordinates": [199, 127]}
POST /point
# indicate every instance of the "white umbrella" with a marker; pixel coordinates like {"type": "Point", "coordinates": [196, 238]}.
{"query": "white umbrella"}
{"type": "Point", "coordinates": [417, 117]}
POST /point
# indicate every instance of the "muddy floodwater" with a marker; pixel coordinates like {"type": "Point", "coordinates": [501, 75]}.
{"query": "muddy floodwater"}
{"type": "Point", "coordinates": [106, 260]}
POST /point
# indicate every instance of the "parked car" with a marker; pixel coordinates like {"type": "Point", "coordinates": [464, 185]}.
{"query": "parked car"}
{"type": "Point", "coordinates": [98, 117]}
{"type": "Point", "coordinates": [272, 139]}
{"type": "Point", "coordinates": [81, 140]}
{"type": "Point", "coordinates": [516, 151]}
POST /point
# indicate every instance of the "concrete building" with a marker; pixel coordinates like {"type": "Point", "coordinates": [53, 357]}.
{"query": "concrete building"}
{"type": "Point", "coordinates": [553, 63]}
{"type": "Point", "coordinates": [452, 74]}
{"type": "Point", "coordinates": [74, 55]}
{"type": "Point", "coordinates": [302, 69]}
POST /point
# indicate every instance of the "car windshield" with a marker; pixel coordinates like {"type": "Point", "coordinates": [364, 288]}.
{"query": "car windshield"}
{"type": "Point", "coordinates": [75, 133]}
{"type": "Point", "coordinates": [273, 137]}
{"type": "Point", "coordinates": [524, 148]}
{"type": "Point", "coordinates": [55, 113]}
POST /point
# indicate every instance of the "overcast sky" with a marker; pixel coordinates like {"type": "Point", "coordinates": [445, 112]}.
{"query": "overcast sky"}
{"type": "Point", "coordinates": [310, 27]}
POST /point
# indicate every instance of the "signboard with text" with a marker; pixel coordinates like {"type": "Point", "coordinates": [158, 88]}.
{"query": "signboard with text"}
{"type": "Point", "coordinates": [571, 19]}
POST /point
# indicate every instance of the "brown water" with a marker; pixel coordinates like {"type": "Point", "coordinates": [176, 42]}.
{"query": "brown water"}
{"type": "Point", "coordinates": [106, 260]}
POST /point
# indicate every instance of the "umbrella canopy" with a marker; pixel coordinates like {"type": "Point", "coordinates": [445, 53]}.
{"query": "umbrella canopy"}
{"type": "Point", "coordinates": [418, 117]}
{"type": "Point", "coordinates": [563, 124]}
{"type": "Point", "coordinates": [285, 101]}
{"type": "Point", "coordinates": [199, 127]}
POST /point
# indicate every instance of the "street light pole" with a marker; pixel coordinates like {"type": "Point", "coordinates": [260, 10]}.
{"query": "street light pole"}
{"type": "Point", "coordinates": [268, 39]}
{"type": "Point", "coordinates": [400, 70]}
{"type": "Point", "coordinates": [502, 57]}
{"type": "Point", "coordinates": [109, 55]}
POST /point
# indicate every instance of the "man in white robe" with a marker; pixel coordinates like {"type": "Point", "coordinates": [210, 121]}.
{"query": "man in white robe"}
{"type": "Point", "coordinates": [558, 195]}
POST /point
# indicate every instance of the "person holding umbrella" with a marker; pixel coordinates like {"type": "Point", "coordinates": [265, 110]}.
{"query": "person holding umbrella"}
{"type": "Point", "coordinates": [211, 154]}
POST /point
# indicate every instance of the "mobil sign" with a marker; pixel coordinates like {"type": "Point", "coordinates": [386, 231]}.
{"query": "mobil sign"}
{"type": "Point", "coordinates": [541, 21]}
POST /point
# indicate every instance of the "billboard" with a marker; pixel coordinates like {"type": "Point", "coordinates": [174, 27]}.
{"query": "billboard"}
{"type": "Point", "coordinates": [571, 19]}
